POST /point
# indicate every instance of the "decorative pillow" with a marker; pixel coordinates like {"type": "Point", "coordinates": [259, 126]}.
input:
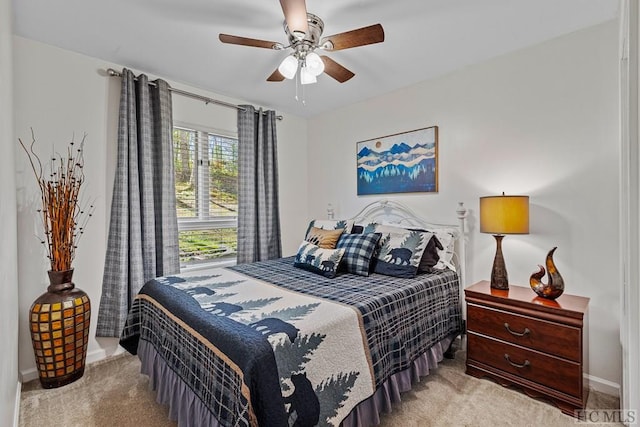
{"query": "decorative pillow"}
{"type": "Point", "coordinates": [357, 229]}
{"type": "Point", "coordinates": [332, 224]}
{"type": "Point", "coordinates": [400, 250]}
{"type": "Point", "coordinates": [430, 257]}
{"type": "Point", "coordinates": [370, 228]}
{"type": "Point", "coordinates": [326, 239]}
{"type": "Point", "coordinates": [317, 260]}
{"type": "Point", "coordinates": [359, 249]}
{"type": "Point", "coordinates": [446, 237]}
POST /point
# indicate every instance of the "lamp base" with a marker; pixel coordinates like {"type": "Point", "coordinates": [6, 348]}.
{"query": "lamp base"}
{"type": "Point", "coordinates": [499, 278]}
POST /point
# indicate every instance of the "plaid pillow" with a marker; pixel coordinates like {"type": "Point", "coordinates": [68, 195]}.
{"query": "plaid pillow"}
{"type": "Point", "coordinates": [358, 251]}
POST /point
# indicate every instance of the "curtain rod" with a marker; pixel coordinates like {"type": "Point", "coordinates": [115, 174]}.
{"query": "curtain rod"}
{"type": "Point", "coordinates": [113, 73]}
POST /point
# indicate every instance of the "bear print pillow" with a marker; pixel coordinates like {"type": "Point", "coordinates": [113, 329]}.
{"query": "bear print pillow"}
{"type": "Point", "coordinates": [400, 250]}
{"type": "Point", "coordinates": [318, 260]}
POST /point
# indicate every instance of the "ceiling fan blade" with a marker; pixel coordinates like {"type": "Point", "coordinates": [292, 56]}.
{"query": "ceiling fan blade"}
{"type": "Point", "coordinates": [275, 76]}
{"type": "Point", "coordinates": [354, 38]}
{"type": "Point", "coordinates": [336, 70]}
{"type": "Point", "coordinates": [295, 13]}
{"type": "Point", "coordinates": [244, 41]}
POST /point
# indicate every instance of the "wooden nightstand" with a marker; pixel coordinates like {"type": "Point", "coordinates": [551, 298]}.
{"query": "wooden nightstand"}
{"type": "Point", "coordinates": [518, 338]}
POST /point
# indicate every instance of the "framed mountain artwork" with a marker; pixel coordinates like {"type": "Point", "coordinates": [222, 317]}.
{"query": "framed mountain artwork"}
{"type": "Point", "coordinates": [402, 163]}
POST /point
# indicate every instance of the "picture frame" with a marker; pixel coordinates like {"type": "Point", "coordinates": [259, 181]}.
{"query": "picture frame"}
{"type": "Point", "coordinates": [404, 162]}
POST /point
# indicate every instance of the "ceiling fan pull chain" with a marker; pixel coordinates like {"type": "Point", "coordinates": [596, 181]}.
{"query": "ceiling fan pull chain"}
{"type": "Point", "coordinates": [297, 85]}
{"type": "Point", "coordinates": [300, 87]}
{"type": "Point", "coordinates": [304, 98]}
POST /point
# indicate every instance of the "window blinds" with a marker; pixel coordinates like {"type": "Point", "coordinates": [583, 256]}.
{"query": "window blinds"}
{"type": "Point", "coordinates": [206, 176]}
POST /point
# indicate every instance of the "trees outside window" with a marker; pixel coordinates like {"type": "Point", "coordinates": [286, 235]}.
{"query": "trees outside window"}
{"type": "Point", "coordinates": [206, 175]}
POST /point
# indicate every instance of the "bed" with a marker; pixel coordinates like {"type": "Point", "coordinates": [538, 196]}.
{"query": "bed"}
{"type": "Point", "coordinates": [271, 344]}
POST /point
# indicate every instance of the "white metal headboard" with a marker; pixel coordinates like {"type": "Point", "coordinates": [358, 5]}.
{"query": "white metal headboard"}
{"type": "Point", "coordinates": [390, 211]}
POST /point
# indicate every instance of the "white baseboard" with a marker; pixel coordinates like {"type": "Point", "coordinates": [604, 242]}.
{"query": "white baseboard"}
{"type": "Point", "coordinates": [603, 386]}
{"type": "Point", "coordinates": [94, 356]}
{"type": "Point", "coordinates": [16, 409]}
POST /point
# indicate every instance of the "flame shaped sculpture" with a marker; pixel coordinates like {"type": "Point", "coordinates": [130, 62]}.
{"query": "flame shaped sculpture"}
{"type": "Point", "coordinates": [555, 287]}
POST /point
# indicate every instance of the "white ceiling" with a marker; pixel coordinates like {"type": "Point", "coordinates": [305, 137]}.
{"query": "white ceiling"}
{"type": "Point", "coordinates": [178, 40]}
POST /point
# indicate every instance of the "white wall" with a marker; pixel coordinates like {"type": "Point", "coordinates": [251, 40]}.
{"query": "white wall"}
{"type": "Point", "coordinates": [9, 385]}
{"type": "Point", "coordinates": [57, 93]}
{"type": "Point", "coordinates": [542, 121]}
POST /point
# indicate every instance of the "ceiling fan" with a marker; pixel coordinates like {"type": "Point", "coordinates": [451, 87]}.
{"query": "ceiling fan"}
{"type": "Point", "coordinates": [304, 32]}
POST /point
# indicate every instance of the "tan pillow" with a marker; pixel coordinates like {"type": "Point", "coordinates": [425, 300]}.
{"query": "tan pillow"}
{"type": "Point", "coordinates": [326, 239]}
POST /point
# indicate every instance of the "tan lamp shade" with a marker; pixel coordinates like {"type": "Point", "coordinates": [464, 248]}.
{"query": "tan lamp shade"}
{"type": "Point", "coordinates": [504, 214]}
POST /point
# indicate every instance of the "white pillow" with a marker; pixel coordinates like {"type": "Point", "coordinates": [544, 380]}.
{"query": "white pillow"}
{"type": "Point", "coordinates": [448, 240]}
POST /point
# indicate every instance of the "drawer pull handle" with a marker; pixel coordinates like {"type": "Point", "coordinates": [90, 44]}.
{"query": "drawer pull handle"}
{"type": "Point", "coordinates": [516, 365]}
{"type": "Point", "coordinates": [517, 334]}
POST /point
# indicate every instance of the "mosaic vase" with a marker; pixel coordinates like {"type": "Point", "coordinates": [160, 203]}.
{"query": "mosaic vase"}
{"type": "Point", "coordinates": [60, 330]}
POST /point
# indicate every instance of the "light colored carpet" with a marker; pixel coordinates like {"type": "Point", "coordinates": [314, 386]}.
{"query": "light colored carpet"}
{"type": "Point", "coordinates": [114, 393]}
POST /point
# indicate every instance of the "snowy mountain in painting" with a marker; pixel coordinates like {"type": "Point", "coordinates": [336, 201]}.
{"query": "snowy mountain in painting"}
{"type": "Point", "coordinates": [402, 168]}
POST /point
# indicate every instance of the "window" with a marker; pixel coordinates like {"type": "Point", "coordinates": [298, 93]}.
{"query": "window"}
{"type": "Point", "coordinates": [206, 175]}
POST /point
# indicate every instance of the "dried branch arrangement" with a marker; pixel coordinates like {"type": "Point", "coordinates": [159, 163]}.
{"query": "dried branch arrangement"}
{"type": "Point", "coordinates": [63, 217]}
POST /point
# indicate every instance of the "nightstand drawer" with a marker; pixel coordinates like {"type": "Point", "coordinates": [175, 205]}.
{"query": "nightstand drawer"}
{"type": "Point", "coordinates": [552, 372]}
{"type": "Point", "coordinates": [548, 337]}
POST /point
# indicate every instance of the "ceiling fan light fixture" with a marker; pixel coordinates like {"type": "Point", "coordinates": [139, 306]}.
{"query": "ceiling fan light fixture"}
{"type": "Point", "coordinates": [306, 76]}
{"type": "Point", "coordinates": [314, 64]}
{"type": "Point", "coordinates": [304, 34]}
{"type": "Point", "coordinates": [288, 67]}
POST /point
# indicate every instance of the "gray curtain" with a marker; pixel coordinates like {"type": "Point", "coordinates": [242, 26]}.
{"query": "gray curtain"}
{"type": "Point", "coordinates": [258, 212]}
{"type": "Point", "coordinates": [143, 232]}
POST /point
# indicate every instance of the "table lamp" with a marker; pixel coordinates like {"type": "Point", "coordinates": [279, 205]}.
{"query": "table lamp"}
{"type": "Point", "coordinates": [500, 215]}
